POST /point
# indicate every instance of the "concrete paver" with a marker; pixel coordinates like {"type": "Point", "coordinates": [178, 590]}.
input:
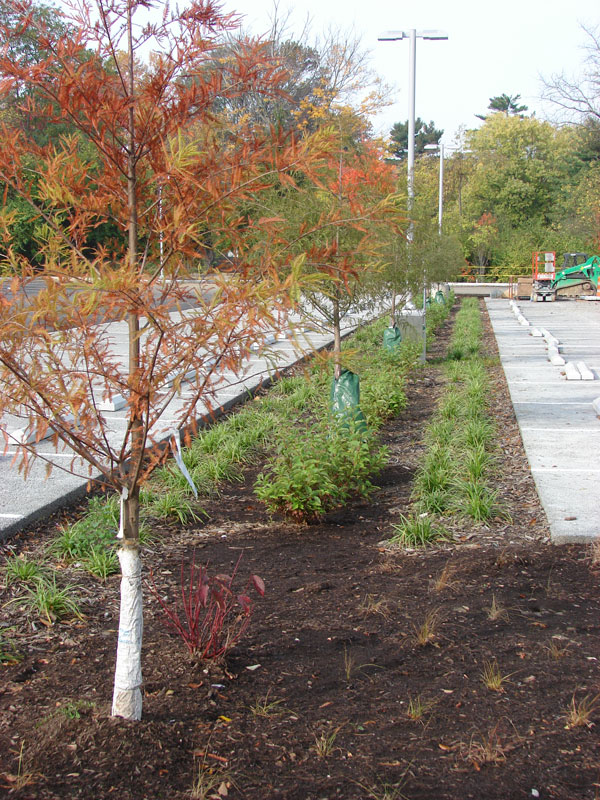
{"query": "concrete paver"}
{"type": "Point", "coordinates": [559, 426]}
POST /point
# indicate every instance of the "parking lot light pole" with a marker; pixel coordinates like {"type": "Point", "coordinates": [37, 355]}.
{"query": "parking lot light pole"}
{"type": "Point", "coordinates": [412, 35]}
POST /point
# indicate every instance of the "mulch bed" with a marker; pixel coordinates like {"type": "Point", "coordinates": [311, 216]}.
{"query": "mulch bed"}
{"type": "Point", "coordinates": [315, 702]}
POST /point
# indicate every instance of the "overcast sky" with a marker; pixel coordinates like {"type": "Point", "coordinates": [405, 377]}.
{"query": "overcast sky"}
{"type": "Point", "coordinates": [493, 48]}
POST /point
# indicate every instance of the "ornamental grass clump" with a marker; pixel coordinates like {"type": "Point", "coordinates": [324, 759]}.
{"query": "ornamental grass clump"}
{"type": "Point", "coordinates": [417, 531]}
{"type": "Point", "coordinates": [455, 475]}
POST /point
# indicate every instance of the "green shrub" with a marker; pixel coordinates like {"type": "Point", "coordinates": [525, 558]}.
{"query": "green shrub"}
{"type": "Point", "coordinates": [318, 470]}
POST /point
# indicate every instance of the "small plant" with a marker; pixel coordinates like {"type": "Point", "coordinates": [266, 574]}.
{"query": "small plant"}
{"type": "Point", "coordinates": [372, 605]}
{"type": "Point", "coordinates": [213, 617]}
{"type": "Point", "coordinates": [325, 742]}
{"type": "Point", "coordinates": [417, 531]}
{"type": "Point", "coordinates": [476, 500]}
{"type": "Point", "coordinates": [23, 777]}
{"type": "Point", "coordinates": [435, 501]}
{"type": "Point", "coordinates": [436, 473]}
{"type": "Point", "coordinates": [594, 554]}
{"type": "Point", "coordinates": [486, 749]}
{"type": "Point", "coordinates": [445, 580]}
{"type": "Point", "coordinates": [349, 664]}
{"type": "Point", "coordinates": [351, 667]}
{"type": "Point", "coordinates": [477, 462]}
{"type": "Point", "coordinates": [496, 611]}
{"type": "Point", "coordinates": [210, 784]}
{"type": "Point", "coordinates": [263, 707]}
{"type": "Point", "coordinates": [8, 650]}
{"type": "Point", "coordinates": [418, 707]}
{"type": "Point", "coordinates": [73, 708]}
{"type": "Point", "coordinates": [426, 633]}
{"type": "Point", "coordinates": [491, 676]}
{"type": "Point", "coordinates": [172, 504]}
{"type": "Point", "coordinates": [385, 791]}
{"type": "Point", "coordinates": [49, 601]}
{"type": "Point", "coordinates": [557, 649]}
{"type": "Point", "coordinates": [101, 562]}
{"type": "Point", "coordinates": [22, 569]}
{"type": "Point", "coordinates": [478, 433]}
{"type": "Point", "coordinates": [580, 712]}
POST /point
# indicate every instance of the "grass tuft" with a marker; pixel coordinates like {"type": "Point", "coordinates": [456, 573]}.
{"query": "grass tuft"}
{"type": "Point", "coordinates": [417, 531]}
{"type": "Point", "coordinates": [580, 712]}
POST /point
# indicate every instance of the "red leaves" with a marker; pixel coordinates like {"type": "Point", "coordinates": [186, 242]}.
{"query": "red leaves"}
{"type": "Point", "coordinates": [258, 584]}
{"type": "Point", "coordinates": [212, 617]}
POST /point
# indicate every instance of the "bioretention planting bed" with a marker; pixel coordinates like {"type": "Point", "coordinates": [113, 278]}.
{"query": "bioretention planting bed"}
{"type": "Point", "coordinates": [460, 661]}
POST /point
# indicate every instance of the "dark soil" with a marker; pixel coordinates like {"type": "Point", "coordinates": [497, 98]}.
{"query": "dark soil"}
{"type": "Point", "coordinates": [315, 701]}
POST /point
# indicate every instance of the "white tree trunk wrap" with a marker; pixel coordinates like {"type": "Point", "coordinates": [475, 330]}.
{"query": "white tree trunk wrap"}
{"type": "Point", "coordinates": [127, 697]}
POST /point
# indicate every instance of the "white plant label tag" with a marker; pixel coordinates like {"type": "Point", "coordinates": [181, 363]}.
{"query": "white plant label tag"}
{"type": "Point", "coordinates": [178, 456]}
{"type": "Point", "coordinates": [124, 496]}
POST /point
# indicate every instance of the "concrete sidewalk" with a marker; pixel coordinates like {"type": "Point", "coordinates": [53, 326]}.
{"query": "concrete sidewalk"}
{"type": "Point", "coordinates": [559, 426]}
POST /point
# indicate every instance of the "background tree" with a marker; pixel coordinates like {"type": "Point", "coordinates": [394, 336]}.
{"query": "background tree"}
{"type": "Point", "coordinates": [150, 132]}
{"type": "Point", "coordinates": [579, 98]}
{"type": "Point", "coordinates": [319, 72]}
{"type": "Point", "coordinates": [505, 104]}
{"type": "Point", "coordinates": [522, 168]}
{"type": "Point", "coordinates": [482, 239]}
{"type": "Point", "coordinates": [425, 133]}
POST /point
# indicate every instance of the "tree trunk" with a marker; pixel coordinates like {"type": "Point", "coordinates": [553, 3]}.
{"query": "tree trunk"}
{"type": "Point", "coordinates": [127, 695]}
{"type": "Point", "coordinates": [393, 309]}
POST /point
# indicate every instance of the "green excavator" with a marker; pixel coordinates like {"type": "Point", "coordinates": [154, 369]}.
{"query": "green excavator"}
{"type": "Point", "coordinates": [577, 277]}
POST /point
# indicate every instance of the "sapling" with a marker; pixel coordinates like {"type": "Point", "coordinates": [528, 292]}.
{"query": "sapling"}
{"type": "Point", "coordinates": [148, 180]}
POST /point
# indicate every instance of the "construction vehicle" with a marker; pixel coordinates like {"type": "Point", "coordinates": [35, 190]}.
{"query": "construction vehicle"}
{"type": "Point", "coordinates": [542, 274]}
{"type": "Point", "coordinates": [578, 276]}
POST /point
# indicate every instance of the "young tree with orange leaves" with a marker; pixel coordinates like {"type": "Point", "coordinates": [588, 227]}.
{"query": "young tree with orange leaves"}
{"type": "Point", "coordinates": [348, 215]}
{"type": "Point", "coordinates": [149, 163]}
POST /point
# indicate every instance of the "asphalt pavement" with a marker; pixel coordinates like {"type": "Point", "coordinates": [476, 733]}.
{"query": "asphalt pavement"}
{"type": "Point", "coordinates": [553, 403]}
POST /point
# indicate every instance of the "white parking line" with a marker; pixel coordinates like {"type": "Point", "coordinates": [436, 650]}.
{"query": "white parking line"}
{"type": "Point", "coordinates": [565, 429]}
{"type": "Point", "coordinates": [45, 455]}
{"type": "Point", "coordinates": [585, 470]}
{"type": "Point", "coordinates": [548, 403]}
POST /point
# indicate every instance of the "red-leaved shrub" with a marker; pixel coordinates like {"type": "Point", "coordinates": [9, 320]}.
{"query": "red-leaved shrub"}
{"type": "Point", "coordinates": [213, 616]}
